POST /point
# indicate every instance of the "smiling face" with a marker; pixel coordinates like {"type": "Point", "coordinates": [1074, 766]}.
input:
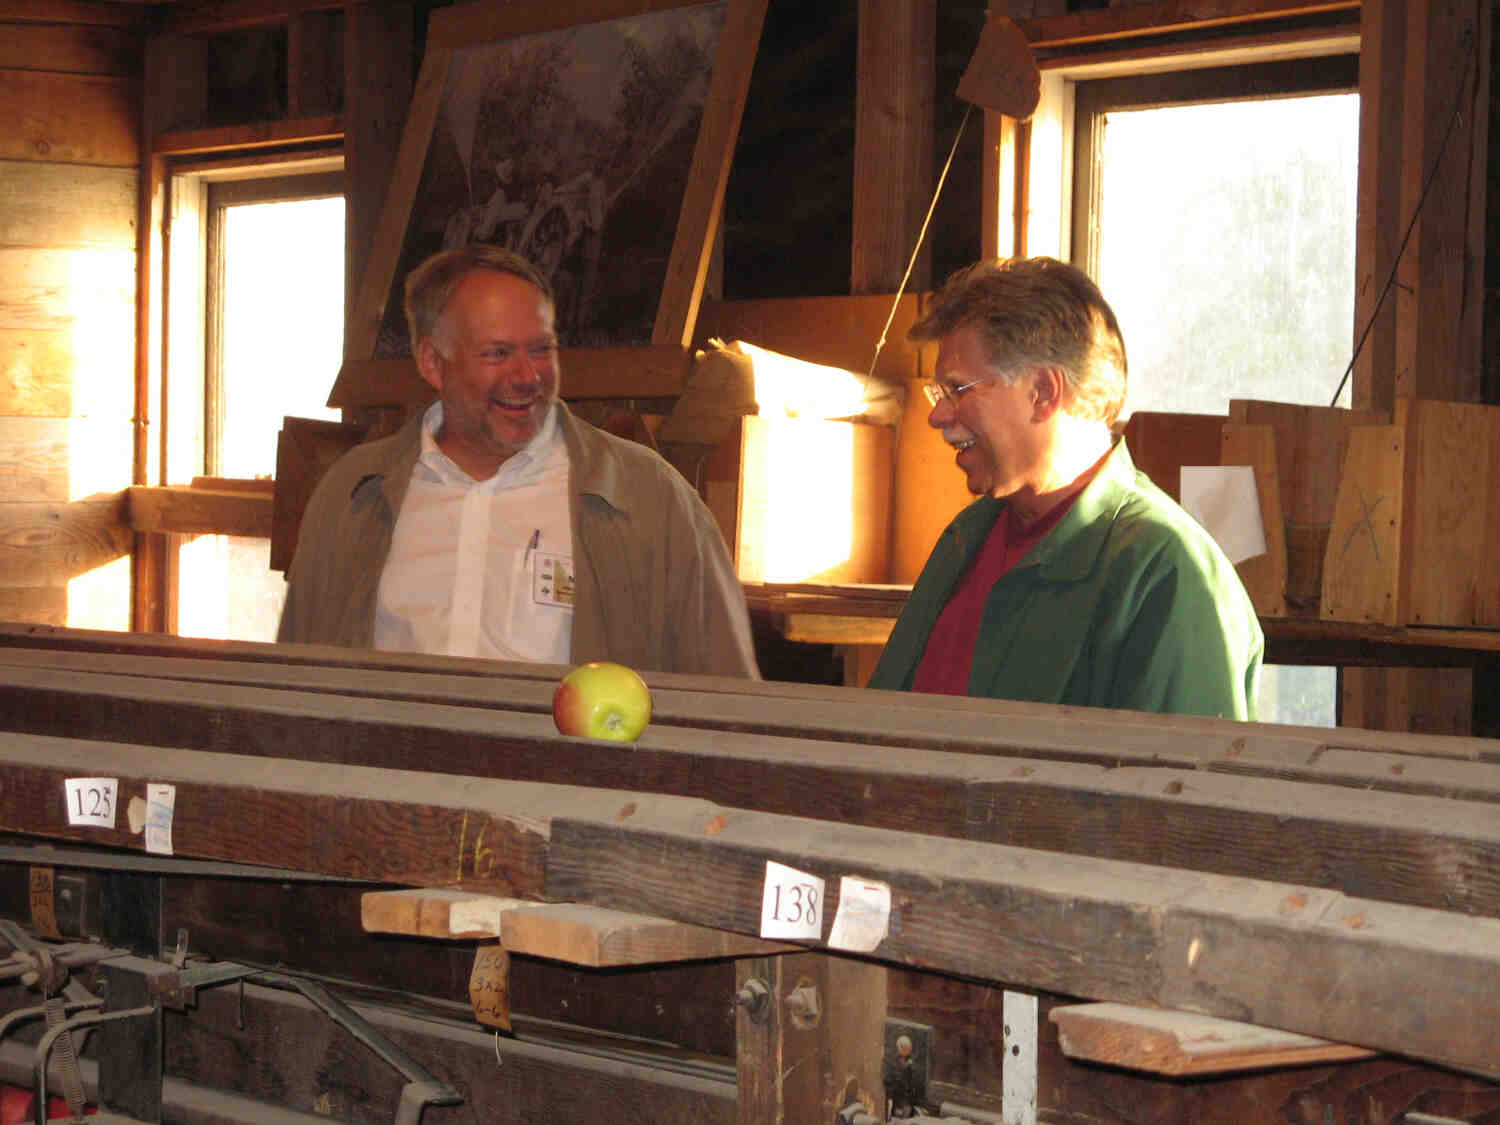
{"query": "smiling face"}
{"type": "Point", "coordinates": [993, 425]}
{"type": "Point", "coordinates": [493, 360]}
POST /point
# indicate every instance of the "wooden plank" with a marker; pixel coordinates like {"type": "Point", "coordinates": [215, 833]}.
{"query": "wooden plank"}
{"type": "Point", "coordinates": [105, 13]}
{"type": "Point", "coordinates": [211, 17]}
{"type": "Point", "coordinates": [1312, 961]}
{"type": "Point", "coordinates": [377, 88]}
{"type": "Point", "coordinates": [261, 134]}
{"type": "Point", "coordinates": [769, 707]}
{"type": "Point", "coordinates": [1362, 568]}
{"type": "Point", "coordinates": [568, 932]}
{"type": "Point", "coordinates": [1404, 847]}
{"type": "Point", "coordinates": [70, 48]}
{"type": "Point", "coordinates": [43, 543]}
{"type": "Point", "coordinates": [58, 289]}
{"type": "Point", "coordinates": [1310, 446]}
{"type": "Point", "coordinates": [68, 118]}
{"type": "Point", "coordinates": [1264, 576]}
{"type": "Point", "coordinates": [1178, 1043]}
{"type": "Point", "coordinates": [893, 143]}
{"type": "Point", "coordinates": [56, 205]}
{"type": "Point", "coordinates": [59, 460]}
{"type": "Point", "coordinates": [37, 373]}
{"type": "Point", "coordinates": [1161, 444]}
{"type": "Point", "coordinates": [713, 153]}
{"type": "Point", "coordinates": [199, 511]}
{"type": "Point", "coordinates": [1166, 16]}
{"type": "Point", "coordinates": [44, 605]}
{"type": "Point", "coordinates": [1453, 574]}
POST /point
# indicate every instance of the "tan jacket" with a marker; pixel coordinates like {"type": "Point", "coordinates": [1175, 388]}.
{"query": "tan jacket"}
{"type": "Point", "coordinates": [654, 585]}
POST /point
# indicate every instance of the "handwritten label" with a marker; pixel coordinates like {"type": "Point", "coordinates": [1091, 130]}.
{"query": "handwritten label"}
{"type": "Point", "coordinates": [91, 801]}
{"type": "Point", "coordinates": [792, 903]}
{"type": "Point", "coordinates": [43, 918]}
{"type": "Point", "coordinates": [864, 915]}
{"type": "Point", "coordinates": [160, 802]}
{"type": "Point", "coordinates": [489, 986]}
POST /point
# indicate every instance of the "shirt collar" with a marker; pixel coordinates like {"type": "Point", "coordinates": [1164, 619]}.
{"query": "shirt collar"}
{"type": "Point", "coordinates": [538, 454]}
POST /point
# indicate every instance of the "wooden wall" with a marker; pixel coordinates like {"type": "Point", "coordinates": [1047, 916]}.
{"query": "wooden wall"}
{"type": "Point", "coordinates": [68, 155]}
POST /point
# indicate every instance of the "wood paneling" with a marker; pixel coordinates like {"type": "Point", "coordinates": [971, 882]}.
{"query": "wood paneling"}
{"type": "Point", "coordinates": [62, 459]}
{"type": "Point", "coordinates": [68, 118]}
{"type": "Point", "coordinates": [54, 205]}
{"type": "Point", "coordinates": [70, 48]}
{"type": "Point", "coordinates": [104, 13]}
{"type": "Point", "coordinates": [41, 544]}
{"type": "Point", "coordinates": [88, 291]}
{"type": "Point", "coordinates": [37, 373]}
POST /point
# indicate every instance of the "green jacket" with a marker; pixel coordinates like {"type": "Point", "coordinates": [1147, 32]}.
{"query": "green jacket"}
{"type": "Point", "coordinates": [655, 587]}
{"type": "Point", "coordinates": [1127, 603]}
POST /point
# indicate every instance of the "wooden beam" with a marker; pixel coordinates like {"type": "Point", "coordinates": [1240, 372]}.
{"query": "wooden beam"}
{"type": "Point", "coordinates": [70, 48]}
{"type": "Point", "coordinates": [1179, 1043]}
{"type": "Point", "coordinates": [199, 511]}
{"type": "Point", "coordinates": [892, 143]}
{"type": "Point", "coordinates": [191, 142]}
{"type": "Point", "coordinates": [1308, 960]}
{"type": "Point", "coordinates": [1168, 17]}
{"type": "Point", "coordinates": [102, 13]}
{"type": "Point", "coordinates": [562, 931]}
{"type": "Point", "coordinates": [215, 16]}
{"type": "Point", "coordinates": [1409, 847]}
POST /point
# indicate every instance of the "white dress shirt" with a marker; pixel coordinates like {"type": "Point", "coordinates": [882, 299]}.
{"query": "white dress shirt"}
{"type": "Point", "coordinates": [482, 568]}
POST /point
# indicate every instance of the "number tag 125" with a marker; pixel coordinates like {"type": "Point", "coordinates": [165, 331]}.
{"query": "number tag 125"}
{"type": "Point", "coordinates": [792, 904]}
{"type": "Point", "coordinates": [91, 801]}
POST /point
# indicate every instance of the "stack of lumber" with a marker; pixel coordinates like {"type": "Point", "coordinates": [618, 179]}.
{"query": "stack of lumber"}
{"type": "Point", "coordinates": [1336, 883]}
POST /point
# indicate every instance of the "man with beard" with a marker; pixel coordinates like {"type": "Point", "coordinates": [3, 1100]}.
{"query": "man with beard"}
{"type": "Point", "coordinates": [496, 524]}
{"type": "Point", "coordinates": [1072, 579]}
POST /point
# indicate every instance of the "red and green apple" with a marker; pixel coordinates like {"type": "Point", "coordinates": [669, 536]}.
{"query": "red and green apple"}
{"type": "Point", "coordinates": [602, 700]}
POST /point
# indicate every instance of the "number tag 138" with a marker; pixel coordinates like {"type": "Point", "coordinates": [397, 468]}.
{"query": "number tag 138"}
{"type": "Point", "coordinates": [792, 904]}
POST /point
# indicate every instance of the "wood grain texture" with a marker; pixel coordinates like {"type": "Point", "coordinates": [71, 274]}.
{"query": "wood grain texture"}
{"type": "Point", "coordinates": [1412, 847]}
{"type": "Point", "coordinates": [42, 544]}
{"type": "Point", "coordinates": [1179, 1043]}
{"type": "Point", "coordinates": [70, 48]}
{"type": "Point", "coordinates": [1362, 566]}
{"type": "Point", "coordinates": [43, 605]}
{"type": "Point", "coordinates": [56, 205]}
{"type": "Point", "coordinates": [1264, 576]}
{"type": "Point", "coordinates": [68, 118]}
{"type": "Point", "coordinates": [86, 292]}
{"type": "Point", "coordinates": [199, 511]}
{"type": "Point", "coordinates": [59, 460]}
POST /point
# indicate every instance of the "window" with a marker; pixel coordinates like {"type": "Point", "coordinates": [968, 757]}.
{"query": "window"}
{"type": "Point", "coordinates": [1215, 206]}
{"type": "Point", "coordinates": [1222, 230]}
{"type": "Point", "coordinates": [256, 294]}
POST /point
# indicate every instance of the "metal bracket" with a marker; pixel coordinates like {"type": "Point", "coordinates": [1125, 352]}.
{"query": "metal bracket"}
{"type": "Point", "coordinates": [1018, 1075]}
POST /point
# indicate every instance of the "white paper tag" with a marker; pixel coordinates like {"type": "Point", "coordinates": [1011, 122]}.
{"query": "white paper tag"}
{"type": "Point", "coordinates": [552, 580]}
{"type": "Point", "coordinates": [91, 801]}
{"type": "Point", "coordinates": [160, 801]}
{"type": "Point", "coordinates": [864, 915]}
{"type": "Point", "coordinates": [792, 904]}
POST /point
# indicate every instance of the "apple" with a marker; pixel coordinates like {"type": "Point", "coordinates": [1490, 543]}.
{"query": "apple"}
{"type": "Point", "coordinates": [602, 700]}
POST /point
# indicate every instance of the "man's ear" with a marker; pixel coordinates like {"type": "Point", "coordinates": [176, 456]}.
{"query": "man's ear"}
{"type": "Point", "coordinates": [1048, 386]}
{"type": "Point", "coordinates": [430, 363]}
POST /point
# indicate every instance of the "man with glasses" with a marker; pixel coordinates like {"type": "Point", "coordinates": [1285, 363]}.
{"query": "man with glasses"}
{"type": "Point", "coordinates": [1072, 579]}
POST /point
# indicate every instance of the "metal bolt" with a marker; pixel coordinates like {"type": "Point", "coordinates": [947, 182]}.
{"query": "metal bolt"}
{"type": "Point", "coordinates": [804, 1006]}
{"type": "Point", "coordinates": [755, 998]}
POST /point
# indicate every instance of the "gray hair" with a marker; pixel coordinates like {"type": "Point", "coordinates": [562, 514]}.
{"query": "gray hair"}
{"type": "Point", "coordinates": [1037, 312]}
{"type": "Point", "coordinates": [431, 285]}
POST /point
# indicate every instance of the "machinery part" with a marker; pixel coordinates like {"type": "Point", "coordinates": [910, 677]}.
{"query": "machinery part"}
{"type": "Point", "coordinates": [1412, 1117]}
{"type": "Point", "coordinates": [804, 1007]}
{"type": "Point", "coordinates": [755, 998]}
{"type": "Point", "coordinates": [53, 1034]}
{"type": "Point", "coordinates": [67, 1055]}
{"type": "Point", "coordinates": [1018, 1076]}
{"type": "Point", "coordinates": [14, 1019]}
{"type": "Point", "coordinates": [906, 1066]}
{"type": "Point", "coordinates": [421, 1090]}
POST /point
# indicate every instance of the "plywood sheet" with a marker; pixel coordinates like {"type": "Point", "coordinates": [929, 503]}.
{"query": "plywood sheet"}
{"type": "Point", "coordinates": [1161, 444]}
{"type": "Point", "coordinates": [57, 205]}
{"type": "Point", "coordinates": [1310, 444]}
{"type": "Point", "coordinates": [1264, 576]}
{"type": "Point", "coordinates": [69, 118]}
{"type": "Point", "coordinates": [1454, 506]}
{"type": "Point", "coordinates": [1363, 559]}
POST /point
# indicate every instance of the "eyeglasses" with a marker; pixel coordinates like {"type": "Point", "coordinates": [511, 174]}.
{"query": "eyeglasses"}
{"type": "Point", "coordinates": [936, 392]}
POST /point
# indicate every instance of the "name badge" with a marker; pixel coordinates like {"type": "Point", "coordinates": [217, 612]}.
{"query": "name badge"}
{"type": "Point", "coordinates": [552, 580]}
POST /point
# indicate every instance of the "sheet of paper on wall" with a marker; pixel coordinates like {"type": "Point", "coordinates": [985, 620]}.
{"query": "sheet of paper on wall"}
{"type": "Point", "coordinates": [1224, 500]}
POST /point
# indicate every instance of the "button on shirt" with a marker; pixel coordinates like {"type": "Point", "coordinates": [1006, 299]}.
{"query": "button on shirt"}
{"type": "Point", "coordinates": [472, 563]}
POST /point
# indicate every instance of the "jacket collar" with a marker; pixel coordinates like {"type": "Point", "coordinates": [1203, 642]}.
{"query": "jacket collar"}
{"type": "Point", "coordinates": [596, 465]}
{"type": "Point", "coordinates": [1069, 551]}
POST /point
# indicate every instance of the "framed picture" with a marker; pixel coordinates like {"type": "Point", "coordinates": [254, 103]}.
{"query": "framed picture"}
{"type": "Point", "coordinates": [594, 137]}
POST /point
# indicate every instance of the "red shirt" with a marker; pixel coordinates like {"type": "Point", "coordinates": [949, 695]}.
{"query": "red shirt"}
{"type": "Point", "coordinates": [950, 646]}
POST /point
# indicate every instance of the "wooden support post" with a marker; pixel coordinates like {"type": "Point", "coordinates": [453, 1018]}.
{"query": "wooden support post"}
{"type": "Point", "coordinates": [892, 142]}
{"type": "Point", "coordinates": [810, 1031]}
